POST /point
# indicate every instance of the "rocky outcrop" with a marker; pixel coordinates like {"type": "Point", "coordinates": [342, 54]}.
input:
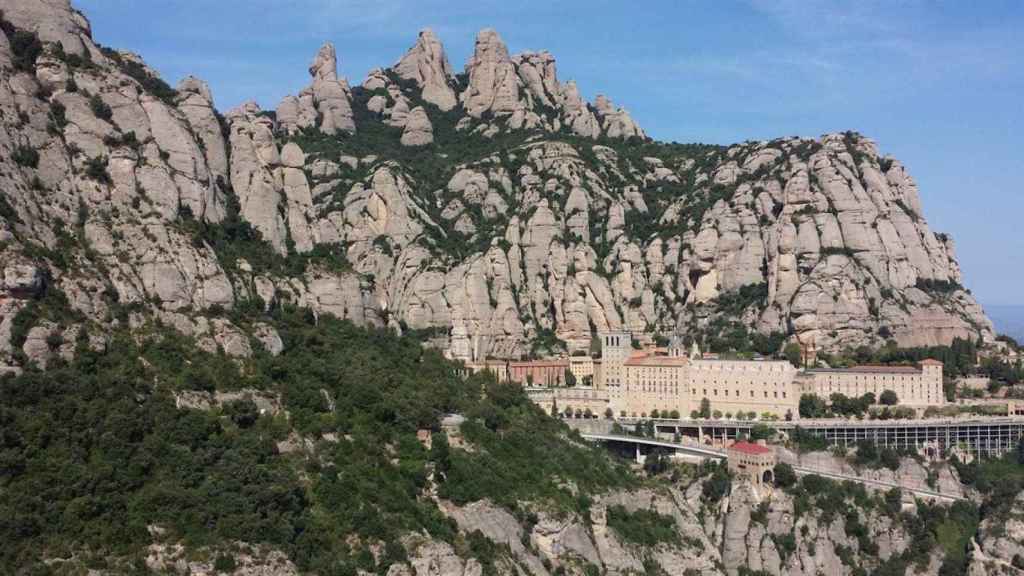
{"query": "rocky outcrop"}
{"type": "Point", "coordinates": [759, 529]}
{"type": "Point", "coordinates": [418, 130]}
{"type": "Point", "coordinates": [426, 64]}
{"type": "Point", "coordinates": [254, 159]}
{"type": "Point", "coordinates": [196, 103]}
{"type": "Point", "coordinates": [247, 560]}
{"type": "Point", "coordinates": [493, 85]}
{"type": "Point", "coordinates": [52, 21]}
{"type": "Point", "coordinates": [912, 473]}
{"type": "Point", "coordinates": [999, 545]}
{"type": "Point", "coordinates": [153, 201]}
{"type": "Point", "coordinates": [327, 101]}
{"type": "Point", "coordinates": [330, 95]}
{"type": "Point", "coordinates": [616, 122]}
{"type": "Point", "coordinates": [431, 557]}
{"type": "Point", "coordinates": [523, 92]}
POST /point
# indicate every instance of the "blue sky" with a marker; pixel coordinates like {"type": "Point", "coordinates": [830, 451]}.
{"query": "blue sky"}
{"type": "Point", "coordinates": [938, 84]}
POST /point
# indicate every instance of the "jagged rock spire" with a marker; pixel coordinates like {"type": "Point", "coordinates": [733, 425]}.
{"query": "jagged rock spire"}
{"type": "Point", "coordinates": [328, 98]}
{"type": "Point", "coordinates": [525, 91]}
{"type": "Point", "coordinates": [616, 122]}
{"type": "Point", "coordinates": [427, 65]}
{"type": "Point", "coordinates": [330, 94]}
{"type": "Point", "coordinates": [196, 102]}
{"type": "Point", "coordinates": [493, 84]}
{"type": "Point", "coordinates": [539, 77]}
{"type": "Point", "coordinates": [577, 115]}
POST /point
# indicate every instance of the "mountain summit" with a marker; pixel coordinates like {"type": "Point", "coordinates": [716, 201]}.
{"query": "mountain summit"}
{"type": "Point", "coordinates": [494, 211]}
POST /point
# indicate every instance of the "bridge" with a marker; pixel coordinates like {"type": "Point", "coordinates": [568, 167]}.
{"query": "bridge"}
{"type": "Point", "coordinates": [638, 441]}
{"type": "Point", "coordinates": [720, 454]}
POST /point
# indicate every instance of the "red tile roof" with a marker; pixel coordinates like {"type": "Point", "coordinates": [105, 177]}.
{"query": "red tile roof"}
{"type": "Point", "coordinates": [750, 448]}
{"type": "Point", "coordinates": [930, 362]}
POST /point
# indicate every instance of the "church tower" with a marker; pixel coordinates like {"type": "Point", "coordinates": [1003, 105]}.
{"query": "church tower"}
{"type": "Point", "coordinates": [615, 347]}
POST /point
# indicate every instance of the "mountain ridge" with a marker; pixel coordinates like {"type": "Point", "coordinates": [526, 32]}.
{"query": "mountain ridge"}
{"type": "Point", "coordinates": [216, 301]}
{"type": "Point", "coordinates": [494, 209]}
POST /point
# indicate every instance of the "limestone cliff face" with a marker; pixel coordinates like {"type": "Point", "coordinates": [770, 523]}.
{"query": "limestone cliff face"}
{"type": "Point", "coordinates": [748, 530]}
{"type": "Point", "coordinates": [759, 530]}
{"type": "Point", "coordinates": [491, 207]}
{"type": "Point", "coordinates": [999, 547]}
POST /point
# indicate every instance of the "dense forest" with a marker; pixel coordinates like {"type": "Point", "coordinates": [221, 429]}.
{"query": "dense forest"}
{"type": "Point", "coordinates": [95, 452]}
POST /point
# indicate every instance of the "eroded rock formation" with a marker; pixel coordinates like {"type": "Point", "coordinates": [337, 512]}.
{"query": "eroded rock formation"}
{"type": "Point", "coordinates": [123, 192]}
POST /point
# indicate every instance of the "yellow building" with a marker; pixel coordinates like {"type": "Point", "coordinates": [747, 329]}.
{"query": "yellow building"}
{"type": "Point", "coordinates": [733, 386]}
{"type": "Point", "coordinates": [651, 382]}
{"type": "Point", "coordinates": [914, 386]}
{"type": "Point", "coordinates": [668, 381]}
{"type": "Point", "coordinates": [640, 382]}
{"type": "Point", "coordinates": [585, 368]}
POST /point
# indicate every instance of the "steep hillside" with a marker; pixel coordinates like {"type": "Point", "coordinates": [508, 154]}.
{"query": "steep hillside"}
{"type": "Point", "coordinates": [157, 457]}
{"type": "Point", "coordinates": [198, 315]}
{"type": "Point", "coordinates": [493, 210]}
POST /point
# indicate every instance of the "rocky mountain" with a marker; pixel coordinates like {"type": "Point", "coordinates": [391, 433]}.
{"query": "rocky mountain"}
{"type": "Point", "coordinates": [327, 451]}
{"type": "Point", "coordinates": [493, 209]}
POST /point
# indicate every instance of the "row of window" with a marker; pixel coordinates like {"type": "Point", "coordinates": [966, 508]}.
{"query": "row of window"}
{"type": "Point", "coordinates": [714, 392]}
{"type": "Point", "coordinates": [744, 382]}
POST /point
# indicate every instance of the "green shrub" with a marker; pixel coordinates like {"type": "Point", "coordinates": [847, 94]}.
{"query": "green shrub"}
{"type": "Point", "coordinates": [888, 398]}
{"type": "Point", "coordinates": [58, 118]}
{"type": "Point", "coordinates": [224, 563]}
{"type": "Point", "coordinates": [25, 46]}
{"type": "Point", "coordinates": [785, 476]}
{"type": "Point", "coordinates": [96, 169]}
{"type": "Point", "coordinates": [716, 486]}
{"type": "Point", "coordinates": [100, 108]}
{"type": "Point", "coordinates": [645, 528]}
{"type": "Point", "coordinates": [25, 156]}
{"type": "Point", "coordinates": [138, 72]}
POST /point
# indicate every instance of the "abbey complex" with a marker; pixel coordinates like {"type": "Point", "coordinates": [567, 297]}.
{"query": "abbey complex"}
{"type": "Point", "coordinates": [634, 383]}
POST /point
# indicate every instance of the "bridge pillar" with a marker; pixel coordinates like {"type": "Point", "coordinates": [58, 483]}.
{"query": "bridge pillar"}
{"type": "Point", "coordinates": [638, 460]}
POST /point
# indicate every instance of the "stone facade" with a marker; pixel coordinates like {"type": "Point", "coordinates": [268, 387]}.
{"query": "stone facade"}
{"type": "Point", "coordinates": [914, 386]}
{"type": "Point", "coordinates": [651, 382]}
{"type": "Point", "coordinates": [616, 348]}
{"type": "Point", "coordinates": [584, 367]}
{"type": "Point", "coordinates": [667, 380]}
{"type": "Point", "coordinates": [732, 386]}
{"type": "Point", "coordinates": [539, 372]}
{"type": "Point", "coordinates": [754, 462]}
{"type": "Point", "coordinates": [549, 372]}
{"type": "Point", "coordinates": [578, 397]}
